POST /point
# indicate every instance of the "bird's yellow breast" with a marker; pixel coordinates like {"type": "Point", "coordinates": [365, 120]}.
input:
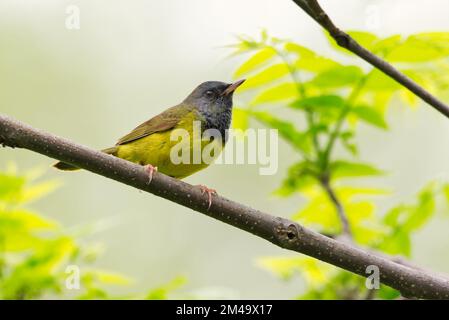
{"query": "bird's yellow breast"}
{"type": "Point", "coordinates": [158, 148]}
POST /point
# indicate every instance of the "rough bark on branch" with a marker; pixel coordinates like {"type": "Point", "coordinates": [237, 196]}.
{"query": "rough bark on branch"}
{"type": "Point", "coordinates": [314, 10]}
{"type": "Point", "coordinates": [282, 232]}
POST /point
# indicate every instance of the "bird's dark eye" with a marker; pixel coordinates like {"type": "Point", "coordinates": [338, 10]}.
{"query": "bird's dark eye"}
{"type": "Point", "coordinates": [209, 93]}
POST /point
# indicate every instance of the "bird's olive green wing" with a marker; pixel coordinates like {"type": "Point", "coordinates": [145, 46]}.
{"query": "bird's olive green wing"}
{"type": "Point", "coordinates": [162, 122]}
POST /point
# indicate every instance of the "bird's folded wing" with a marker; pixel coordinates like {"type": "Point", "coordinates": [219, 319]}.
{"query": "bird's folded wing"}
{"type": "Point", "coordinates": [162, 122]}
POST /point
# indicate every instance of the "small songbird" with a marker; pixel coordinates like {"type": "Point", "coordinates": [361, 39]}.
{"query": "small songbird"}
{"type": "Point", "coordinates": [150, 144]}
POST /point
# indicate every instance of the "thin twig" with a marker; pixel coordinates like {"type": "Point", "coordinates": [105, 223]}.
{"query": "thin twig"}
{"type": "Point", "coordinates": [314, 10]}
{"type": "Point", "coordinates": [325, 179]}
{"type": "Point", "coordinates": [300, 88]}
{"type": "Point", "coordinates": [341, 119]}
{"type": "Point", "coordinates": [346, 229]}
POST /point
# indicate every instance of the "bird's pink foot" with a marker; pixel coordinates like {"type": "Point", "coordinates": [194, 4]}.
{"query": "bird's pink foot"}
{"type": "Point", "coordinates": [150, 170]}
{"type": "Point", "coordinates": [209, 192]}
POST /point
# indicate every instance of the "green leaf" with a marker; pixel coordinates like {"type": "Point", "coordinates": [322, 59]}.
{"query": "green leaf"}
{"type": "Point", "coordinates": [162, 292]}
{"type": "Point", "coordinates": [245, 44]}
{"type": "Point", "coordinates": [346, 169]}
{"type": "Point", "coordinates": [315, 64]}
{"type": "Point", "coordinates": [408, 97]}
{"type": "Point", "coordinates": [266, 76]}
{"type": "Point", "coordinates": [338, 77]}
{"type": "Point", "coordinates": [93, 294]}
{"type": "Point", "coordinates": [384, 46]}
{"type": "Point", "coordinates": [378, 81]}
{"type": "Point", "coordinates": [33, 192]}
{"type": "Point", "coordinates": [392, 217]}
{"type": "Point", "coordinates": [421, 76]}
{"type": "Point", "coordinates": [446, 191]}
{"type": "Point", "coordinates": [316, 273]}
{"type": "Point", "coordinates": [326, 109]}
{"type": "Point", "coordinates": [388, 293]}
{"type": "Point", "coordinates": [318, 128]}
{"type": "Point", "coordinates": [319, 102]}
{"type": "Point", "coordinates": [320, 212]}
{"type": "Point", "coordinates": [11, 187]}
{"type": "Point", "coordinates": [381, 100]}
{"type": "Point", "coordinates": [422, 48]}
{"type": "Point", "coordinates": [281, 92]}
{"type": "Point", "coordinates": [442, 38]}
{"type": "Point", "coordinates": [107, 277]}
{"type": "Point", "coordinates": [370, 116]}
{"type": "Point", "coordinates": [405, 219]}
{"type": "Point", "coordinates": [398, 243]}
{"type": "Point", "coordinates": [299, 50]}
{"type": "Point", "coordinates": [26, 220]}
{"type": "Point", "coordinates": [16, 189]}
{"type": "Point", "coordinates": [424, 209]}
{"type": "Point", "coordinates": [255, 61]}
{"type": "Point", "coordinates": [299, 176]}
{"type": "Point", "coordinates": [351, 147]}
{"type": "Point", "coordinates": [366, 39]}
{"type": "Point", "coordinates": [239, 118]}
{"type": "Point", "coordinates": [309, 60]}
{"type": "Point", "coordinates": [412, 217]}
{"type": "Point", "coordinates": [340, 285]}
{"type": "Point", "coordinates": [282, 267]}
{"type": "Point", "coordinates": [287, 130]}
{"type": "Point", "coordinates": [347, 141]}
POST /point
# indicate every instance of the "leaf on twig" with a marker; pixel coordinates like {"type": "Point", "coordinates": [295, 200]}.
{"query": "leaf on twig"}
{"type": "Point", "coordinates": [257, 60]}
{"type": "Point", "coordinates": [266, 76]}
{"type": "Point", "coordinates": [370, 116]}
{"type": "Point", "coordinates": [338, 77]}
{"type": "Point", "coordinates": [347, 169]}
{"type": "Point", "coordinates": [281, 92]}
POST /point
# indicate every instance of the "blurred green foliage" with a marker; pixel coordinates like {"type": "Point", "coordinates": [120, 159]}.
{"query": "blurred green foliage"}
{"type": "Point", "coordinates": [36, 252]}
{"type": "Point", "coordinates": [327, 101]}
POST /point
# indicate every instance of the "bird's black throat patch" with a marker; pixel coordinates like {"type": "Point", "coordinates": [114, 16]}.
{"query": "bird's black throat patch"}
{"type": "Point", "coordinates": [220, 122]}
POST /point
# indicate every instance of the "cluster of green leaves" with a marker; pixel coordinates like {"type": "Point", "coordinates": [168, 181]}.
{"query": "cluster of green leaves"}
{"type": "Point", "coordinates": [390, 234]}
{"type": "Point", "coordinates": [324, 102]}
{"type": "Point", "coordinates": [35, 251]}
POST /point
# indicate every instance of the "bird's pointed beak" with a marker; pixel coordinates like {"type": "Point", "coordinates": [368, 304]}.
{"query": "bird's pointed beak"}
{"type": "Point", "coordinates": [231, 88]}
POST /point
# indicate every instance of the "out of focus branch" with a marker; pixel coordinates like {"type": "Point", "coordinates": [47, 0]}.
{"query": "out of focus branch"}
{"type": "Point", "coordinates": [314, 10]}
{"type": "Point", "coordinates": [346, 228]}
{"type": "Point", "coordinates": [281, 232]}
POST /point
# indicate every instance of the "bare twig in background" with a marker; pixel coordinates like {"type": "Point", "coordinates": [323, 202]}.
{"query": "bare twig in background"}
{"type": "Point", "coordinates": [346, 229]}
{"type": "Point", "coordinates": [281, 232]}
{"type": "Point", "coordinates": [314, 10]}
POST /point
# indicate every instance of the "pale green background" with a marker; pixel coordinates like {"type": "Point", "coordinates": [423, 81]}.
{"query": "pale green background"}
{"type": "Point", "coordinates": [131, 60]}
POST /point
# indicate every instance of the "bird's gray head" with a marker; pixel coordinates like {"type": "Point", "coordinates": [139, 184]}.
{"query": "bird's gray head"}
{"type": "Point", "coordinates": [213, 100]}
{"type": "Point", "coordinates": [213, 96]}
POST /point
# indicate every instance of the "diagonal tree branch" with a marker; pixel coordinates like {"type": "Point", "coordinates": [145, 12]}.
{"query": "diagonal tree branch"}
{"type": "Point", "coordinates": [314, 10]}
{"type": "Point", "coordinates": [284, 233]}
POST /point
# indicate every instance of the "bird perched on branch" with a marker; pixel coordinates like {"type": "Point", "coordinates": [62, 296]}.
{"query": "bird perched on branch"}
{"type": "Point", "coordinates": [151, 144]}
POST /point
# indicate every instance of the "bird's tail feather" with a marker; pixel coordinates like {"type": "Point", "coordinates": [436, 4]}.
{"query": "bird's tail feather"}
{"type": "Point", "coordinates": [112, 151]}
{"type": "Point", "coordinates": [65, 166]}
{"type": "Point", "coordinates": [68, 167]}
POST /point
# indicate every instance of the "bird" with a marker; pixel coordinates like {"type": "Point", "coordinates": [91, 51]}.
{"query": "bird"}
{"type": "Point", "coordinates": [150, 144]}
